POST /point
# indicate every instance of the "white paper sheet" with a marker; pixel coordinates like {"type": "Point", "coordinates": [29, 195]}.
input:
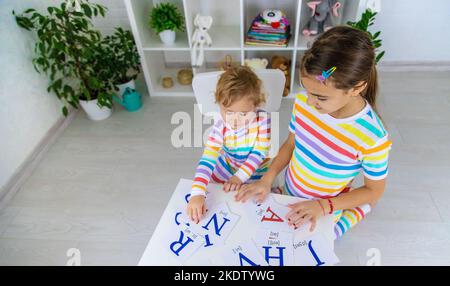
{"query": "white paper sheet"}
{"type": "Point", "coordinates": [167, 240]}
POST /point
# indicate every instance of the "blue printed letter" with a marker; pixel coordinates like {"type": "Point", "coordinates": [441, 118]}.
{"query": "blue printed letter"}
{"type": "Point", "coordinates": [280, 257]}
{"type": "Point", "coordinates": [314, 254]}
{"type": "Point", "coordinates": [181, 243]}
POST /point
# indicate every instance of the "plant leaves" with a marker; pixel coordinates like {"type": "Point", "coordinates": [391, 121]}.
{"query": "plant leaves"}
{"type": "Point", "coordinates": [57, 84]}
{"type": "Point", "coordinates": [87, 10]}
{"type": "Point", "coordinates": [379, 56]}
{"type": "Point", "coordinates": [367, 20]}
{"type": "Point", "coordinates": [65, 111]}
{"type": "Point", "coordinates": [376, 35]}
{"type": "Point", "coordinates": [93, 83]}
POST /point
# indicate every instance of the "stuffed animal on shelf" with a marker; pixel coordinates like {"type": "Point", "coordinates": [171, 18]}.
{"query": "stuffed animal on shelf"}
{"type": "Point", "coordinates": [320, 20]}
{"type": "Point", "coordinates": [256, 63]}
{"type": "Point", "coordinates": [200, 38]}
{"type": "Point", "coordinates": [273, 17]}
{"type": "Point", "coordinates": [283, 64]}
{"type": "Point", "coordinates": [226, 63]}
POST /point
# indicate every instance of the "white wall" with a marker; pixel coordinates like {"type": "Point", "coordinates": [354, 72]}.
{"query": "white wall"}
{"type": "Point", "coordinates": [27, 111]}
{"type": "Point", "coordinates": [414, 30]}
{"type": "Point", "coordinates": [115, 17]}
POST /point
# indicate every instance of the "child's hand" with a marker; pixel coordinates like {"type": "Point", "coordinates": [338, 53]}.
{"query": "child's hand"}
{"type": "Point", "coordinates": [233, 184]}
{"type": "Point", "coordinates": [196, 208]}
{"type": "Point", "coordinates": [260, 189]}
{"type": "Point", "coordinates": [303, 212]}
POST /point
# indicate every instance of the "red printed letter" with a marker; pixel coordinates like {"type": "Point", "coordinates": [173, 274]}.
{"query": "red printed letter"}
{"type": "Point", "coordinates": [274, 216]}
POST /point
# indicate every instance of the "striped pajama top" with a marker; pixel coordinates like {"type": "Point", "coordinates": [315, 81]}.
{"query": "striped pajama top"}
{"type": "Point", "coordinates": [329, 153]}
{"type": "Point", "coordinates": [230, 152]}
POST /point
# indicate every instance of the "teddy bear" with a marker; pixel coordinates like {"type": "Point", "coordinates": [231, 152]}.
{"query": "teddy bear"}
{"type": "Point", "coordinates": [283, 64]}
{"type": "Point", "coordinates": [256, 63]}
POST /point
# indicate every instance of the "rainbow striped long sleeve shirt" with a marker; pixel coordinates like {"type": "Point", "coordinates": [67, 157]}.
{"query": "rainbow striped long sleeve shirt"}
{"type": "Point", "coordinates": [329, 153]}
{"type": "Point", "coordinates": [229, 152]}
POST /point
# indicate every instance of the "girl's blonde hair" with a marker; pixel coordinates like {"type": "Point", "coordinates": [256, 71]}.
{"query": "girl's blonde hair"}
{"type": "Point", "coordinates": [352, 53]}
{"type": "Point", "coordinates": [237, 83]}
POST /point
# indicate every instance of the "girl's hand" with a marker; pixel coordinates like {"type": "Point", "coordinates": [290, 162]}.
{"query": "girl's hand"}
{"type": "Point", "coordinates": [303, 212]}
{"type": "Point", "coordinates": [196, 208]}
{"type": "Point", "coordinates": [233, 184]}
{"type": "Point", "coordinates": [259, 189]}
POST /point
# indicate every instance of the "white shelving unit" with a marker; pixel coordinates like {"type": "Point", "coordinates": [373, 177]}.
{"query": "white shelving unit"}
{"type": "Point", "coordinates": [232, 19]}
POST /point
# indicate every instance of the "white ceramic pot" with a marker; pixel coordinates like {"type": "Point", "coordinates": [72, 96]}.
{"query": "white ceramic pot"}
{"type": "Point", "coordinates": [167, 37]}
{"type": "Point", "coordinates": [93, 111]}
{"type": "Point", "coordinates": [123, 86]}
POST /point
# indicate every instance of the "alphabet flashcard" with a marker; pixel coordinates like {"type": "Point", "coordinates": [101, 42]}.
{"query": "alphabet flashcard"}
{"type": "Point", "coordinates": [242, 254]}
{"type": "Point", "coordinates": [182, 242]}
{"type": "Point", "coordinates": [314, 251]}
{"type": "Point", "coordinates": [269, 214]}
{"type": "Point", "coordinates": [218, 224]}
{"type": "Point", "coordinates": [276, 246]}
{"type": "Point", "coordinates": [215, 226]}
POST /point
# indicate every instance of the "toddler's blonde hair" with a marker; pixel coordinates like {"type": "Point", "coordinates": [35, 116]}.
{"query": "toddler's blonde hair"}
{"type": "Point", "coordinates": [239, 82]}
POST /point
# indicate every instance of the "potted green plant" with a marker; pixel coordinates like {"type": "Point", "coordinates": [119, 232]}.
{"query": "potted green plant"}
{"type": "Point", "coordinates": [99, 106]}
{"type": "Point", "coordinates": [69, 51]}
{"type": "Point", "coordinates": [367, 20]}
{"type": "Point", "coordinates": [125, 58]}
{"type": "Point", "coordinates": [165, 18]}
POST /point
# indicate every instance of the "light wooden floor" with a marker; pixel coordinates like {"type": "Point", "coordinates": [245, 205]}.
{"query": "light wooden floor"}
{"type": "Point", "coordinates": [103, 186]}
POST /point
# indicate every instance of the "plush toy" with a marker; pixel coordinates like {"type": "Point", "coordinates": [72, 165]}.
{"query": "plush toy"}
{"type": "Point", "coordinates": [200, 38]}
{"type": "Point", "coordinates": [282, 63]}
{"type": "Point", "coordinates": [226, 63]}
{"type": "Point", "coordinates": [256, 63]}
{"type": "Point", "coordinates": [320, 20]}
{"type": "Point", "coordinates": [273, 17]}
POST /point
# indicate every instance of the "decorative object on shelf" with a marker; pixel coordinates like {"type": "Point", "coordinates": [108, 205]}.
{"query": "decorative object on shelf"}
{"type": "Point", "coordinates": [367, 19]}
{"type": "Point", "coordinates": [226, 63]}
{"type": "Point", "coordinates": [72, 54]}
{"type": "Point", "coordinates": [283, 64]}
{"type": "Point", "coordinates": [165, 18]}
{"type": "Point", "coordinates": [131, 100]}
{"type": "Point", "coordinates": [185, 76]}
{"type": "Point", "coordinates": [269, 28]}
{"type": "Point", "coordinates": [167, 82]}
{"type": "Point", "coordinates": [200, 38]}
{"type": "Point", "coordinates": [256, 63]}
{"type": "Point", "coordinates": [125, 60]}
{"type": "Point", "coordinates": [320, 20]}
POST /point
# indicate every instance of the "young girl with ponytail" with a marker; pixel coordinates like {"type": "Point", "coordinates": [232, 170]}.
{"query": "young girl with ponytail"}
{"type": "Point", "coordinates": [335, 133]}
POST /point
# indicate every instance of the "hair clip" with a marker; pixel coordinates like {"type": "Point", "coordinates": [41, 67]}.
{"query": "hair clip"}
{"type": "Point", "coordinates": [325, 75]}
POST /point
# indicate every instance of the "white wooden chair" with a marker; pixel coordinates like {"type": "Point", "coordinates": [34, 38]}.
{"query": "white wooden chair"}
{"type": "Point", "coordinates": [204, 85]}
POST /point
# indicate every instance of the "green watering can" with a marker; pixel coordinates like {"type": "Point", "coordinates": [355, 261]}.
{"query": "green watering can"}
{"type": "Point", "coordinates": [131, 100]}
